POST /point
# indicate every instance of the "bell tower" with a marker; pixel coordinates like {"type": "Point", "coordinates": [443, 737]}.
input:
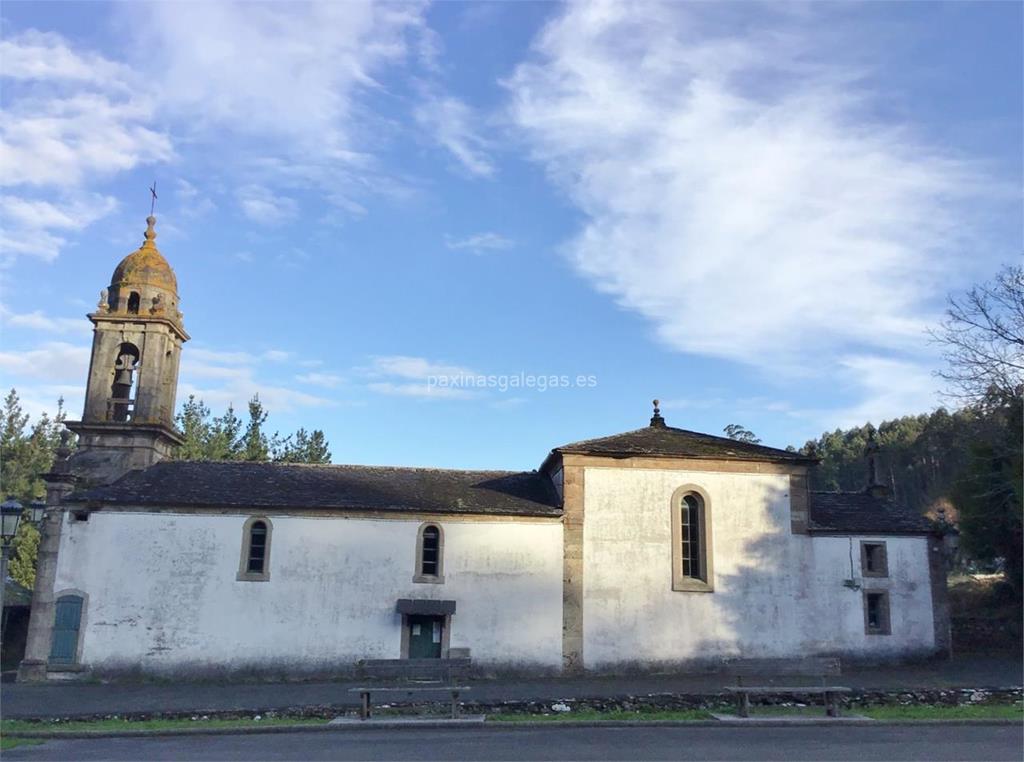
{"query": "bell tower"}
{"type": "Point", "coordinates": [128, 422]}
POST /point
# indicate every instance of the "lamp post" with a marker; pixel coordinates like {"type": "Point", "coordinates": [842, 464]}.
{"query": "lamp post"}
{"type": "Point", "coordinates": [36, 510]}
{"type": "Point", "coordinates": [10, 516]}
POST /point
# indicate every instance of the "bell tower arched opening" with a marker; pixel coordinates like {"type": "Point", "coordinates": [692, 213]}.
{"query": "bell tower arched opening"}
{"type": "Point", "coordinates": [122, 391]}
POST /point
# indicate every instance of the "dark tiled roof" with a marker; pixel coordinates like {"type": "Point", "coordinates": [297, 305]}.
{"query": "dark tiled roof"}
{"type": "Point", "coordinates": [277, 485]}
{"type": "Point", "coordinates": [862, 513]}
{"type": "Point", "coordinates": [666, 441]}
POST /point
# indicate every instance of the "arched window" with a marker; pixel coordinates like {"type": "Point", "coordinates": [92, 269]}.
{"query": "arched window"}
{"type": "Point", "coordinates": [133, 303]}
{"type": "Point", "coordinates": [122, 397]}
{"type": "Point", "coordinates": [254, 565]}
{"type": "Point", "coordinates": [429, 554]}
{"type": "Point", "coordinates": [691, 541]}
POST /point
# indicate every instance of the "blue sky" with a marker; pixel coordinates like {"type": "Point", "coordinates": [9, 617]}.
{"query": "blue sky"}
{"type": "Point", "coordinates": [751, 211]}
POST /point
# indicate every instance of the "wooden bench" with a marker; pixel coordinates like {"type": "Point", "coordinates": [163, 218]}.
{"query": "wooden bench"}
{"type": "Point", "coordinates": [409, 676]}
{"type": "Point", "coordinates": [820, 668]}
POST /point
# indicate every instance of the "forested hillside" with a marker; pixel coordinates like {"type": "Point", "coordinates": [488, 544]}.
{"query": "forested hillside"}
{"type": "Point", "coordinates": [920, 456]}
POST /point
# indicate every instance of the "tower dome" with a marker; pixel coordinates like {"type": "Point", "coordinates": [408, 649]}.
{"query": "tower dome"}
{"type": "Point", "coordinates": [146, 266]}
{"type": "Point", "coordinates": [143, 283]}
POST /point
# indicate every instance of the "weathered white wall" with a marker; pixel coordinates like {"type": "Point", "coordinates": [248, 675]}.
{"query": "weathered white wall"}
{"type": "Point", "coordinates": [776, 594]}
{"type": "Point", "coordinates": [163, 594]}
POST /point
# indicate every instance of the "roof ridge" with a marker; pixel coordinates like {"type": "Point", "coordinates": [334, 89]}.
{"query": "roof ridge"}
{"type": "Point", "coordinates": [651, 440]}
{"type": "Point", "coordinates": [280, 464]}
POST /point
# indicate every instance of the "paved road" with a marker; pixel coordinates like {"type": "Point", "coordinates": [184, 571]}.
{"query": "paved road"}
{"type": "Point", "coordinates": [63, 700]}
{"type": "Point", "coordinates": [864, 744]}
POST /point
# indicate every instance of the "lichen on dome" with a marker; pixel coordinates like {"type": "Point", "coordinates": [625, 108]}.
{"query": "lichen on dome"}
{"type": "Point", "coordinates": [146, 266]}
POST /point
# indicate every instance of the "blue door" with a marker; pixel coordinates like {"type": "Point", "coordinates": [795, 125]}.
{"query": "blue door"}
{"type": "Point", "coordinates": [65, 629]}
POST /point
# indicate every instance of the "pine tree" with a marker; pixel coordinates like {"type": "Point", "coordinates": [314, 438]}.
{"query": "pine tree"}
{"type": "Point", "coordinates": [304, 447]}
{"type": "Point", "coordinates": [255, 444]}
{"type": "Point", "coordinates": [22, 566]}
{"type": "Point", "coordinates": [26, 453]}
{"type": "Point", "coordinates": [225, 442]}
{"type": "Point", "coordinates": [226, 437]}
{"type": "Point", "coordinates": [193, 420]}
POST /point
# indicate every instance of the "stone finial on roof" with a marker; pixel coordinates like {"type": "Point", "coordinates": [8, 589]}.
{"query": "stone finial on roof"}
{"type": "Point", "coordinates": [150, 233]}
{"type": "Point", "coordinates": [657, 421]}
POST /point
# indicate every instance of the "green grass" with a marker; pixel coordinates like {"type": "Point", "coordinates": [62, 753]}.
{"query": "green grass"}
{"type": "Point", "coordinates": [939, 712]}
{"type": "Point", "coordinates": [965, 712]}
{"type": "Point", "coordinates": [13, 727]}
{"type": "Point", "coordinates": [589, 715]}
{"type": "Point", "coordinates": [10, 743]}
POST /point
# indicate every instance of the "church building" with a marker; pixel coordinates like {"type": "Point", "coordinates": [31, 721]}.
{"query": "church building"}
{"type": "Point", "coordinates": [653, 549]}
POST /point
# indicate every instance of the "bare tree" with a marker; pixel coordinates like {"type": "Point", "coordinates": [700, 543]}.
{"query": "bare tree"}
{"type": "Point", "coordinates": [983, 338]}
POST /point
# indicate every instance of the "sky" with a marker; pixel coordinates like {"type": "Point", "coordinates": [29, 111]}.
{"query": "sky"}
{"type": "Point", "coordinates": [461, 234]}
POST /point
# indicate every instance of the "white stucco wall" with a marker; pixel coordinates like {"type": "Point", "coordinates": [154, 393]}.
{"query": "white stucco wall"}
{"type": "Point", "coordinates": [775, 594]}
{"type": "Point", "coordinates": [162, 591]}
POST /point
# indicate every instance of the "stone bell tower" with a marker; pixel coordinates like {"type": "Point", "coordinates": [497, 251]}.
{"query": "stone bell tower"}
{"type": "Point", "coordinates": [128, 422]}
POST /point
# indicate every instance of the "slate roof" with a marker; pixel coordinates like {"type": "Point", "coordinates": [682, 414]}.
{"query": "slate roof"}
{"type": "Point", "coordinates": [862, 513]}
{"type": "Point", "coordinates": [666, 441]}
{"type": "Point", "coordinates": [277, 485]}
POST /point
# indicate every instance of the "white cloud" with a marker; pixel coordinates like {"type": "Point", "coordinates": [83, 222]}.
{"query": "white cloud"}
{"type": "Point", "coordinates": [52, 362]}
{"type": "Point", "coordinates": [220, 378]}
{"type": "Point", "coordinates": [888, 388]}
{"type": "Point", "coordinates": [453, 125]}
{"type": "Point", "coordinates": [263, 207]}
{"type": "Point", "coordinates": [275, 398]}
{"type": "Point", "coordinates": [39, 228]}
{"type": "Point", "coordinates": [39, 321]}
{"type": "Point", "coordinates": [46, 56]}
{"type": "Point", "coordinates": [479, 243]}
{"type": "Point", "coordinates": [419, 390]}
{"type": "Point", "coordinates": [738, 193]}
{"type": "Point", "coordinates": [416, 368]}
{"type": "Point", "coordinates": [286, 70]}
{"type": "Point", "coordinates": [405, 376]}
{"type": "Point", "coordinates": [191, 201]}
{"type": "Point", "coordinates": [65, 141]}
{"type": "Point", "coordinates": [37, 399]}
{"type": "Point", "coordinates": [326, 380]}
{"type": "Point", "coordinates": [69, 117]}
{"type": "Point", "coordinates": [26, 224]}
{"type": "Point", "coordinates": [202, 354]}
{"type": "Point", "coordinates": [43, 214]}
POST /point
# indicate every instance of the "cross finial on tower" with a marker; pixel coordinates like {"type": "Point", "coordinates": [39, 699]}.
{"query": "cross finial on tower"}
{"type": "Point", "coordinates": [152, 204]}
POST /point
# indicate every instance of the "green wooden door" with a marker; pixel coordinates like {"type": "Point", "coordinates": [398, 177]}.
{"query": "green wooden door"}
{"type": "Point", "coordinates": [425, 636]}
{"type": "Point", "coordinates": [64, 647]}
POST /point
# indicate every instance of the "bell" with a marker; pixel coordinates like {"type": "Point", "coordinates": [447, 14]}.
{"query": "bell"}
{"type": "Point", "coordinates": [123, 377]}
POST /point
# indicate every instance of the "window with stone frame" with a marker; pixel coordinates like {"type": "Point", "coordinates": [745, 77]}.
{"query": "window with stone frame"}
{"type": "Point", "coordinates": [877, 620]}
{"type": "Point", "coordinates": [691, 541]}
{"type": "Point", "coordinates": [874, 560]}
{"type": "Point", "coordinates": [254, 564]}
{"type": "Point", "coordinates": [429, 554]}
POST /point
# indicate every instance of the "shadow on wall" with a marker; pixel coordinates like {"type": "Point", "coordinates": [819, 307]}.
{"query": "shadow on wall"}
{"type": "Point", "coordinates": [776, 596]}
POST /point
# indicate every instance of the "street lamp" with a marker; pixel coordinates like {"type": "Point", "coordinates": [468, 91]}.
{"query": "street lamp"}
{"type": "Point", "coordinates": [36, 510]}
{"type": "Point", "coordinates": [10, 515]}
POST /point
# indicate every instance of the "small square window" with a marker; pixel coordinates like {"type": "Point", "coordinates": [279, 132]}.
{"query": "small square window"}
{"type": "Point", "coordinates": [874, 559]}
{"type": "Point", "coordinates": [876, 613]}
